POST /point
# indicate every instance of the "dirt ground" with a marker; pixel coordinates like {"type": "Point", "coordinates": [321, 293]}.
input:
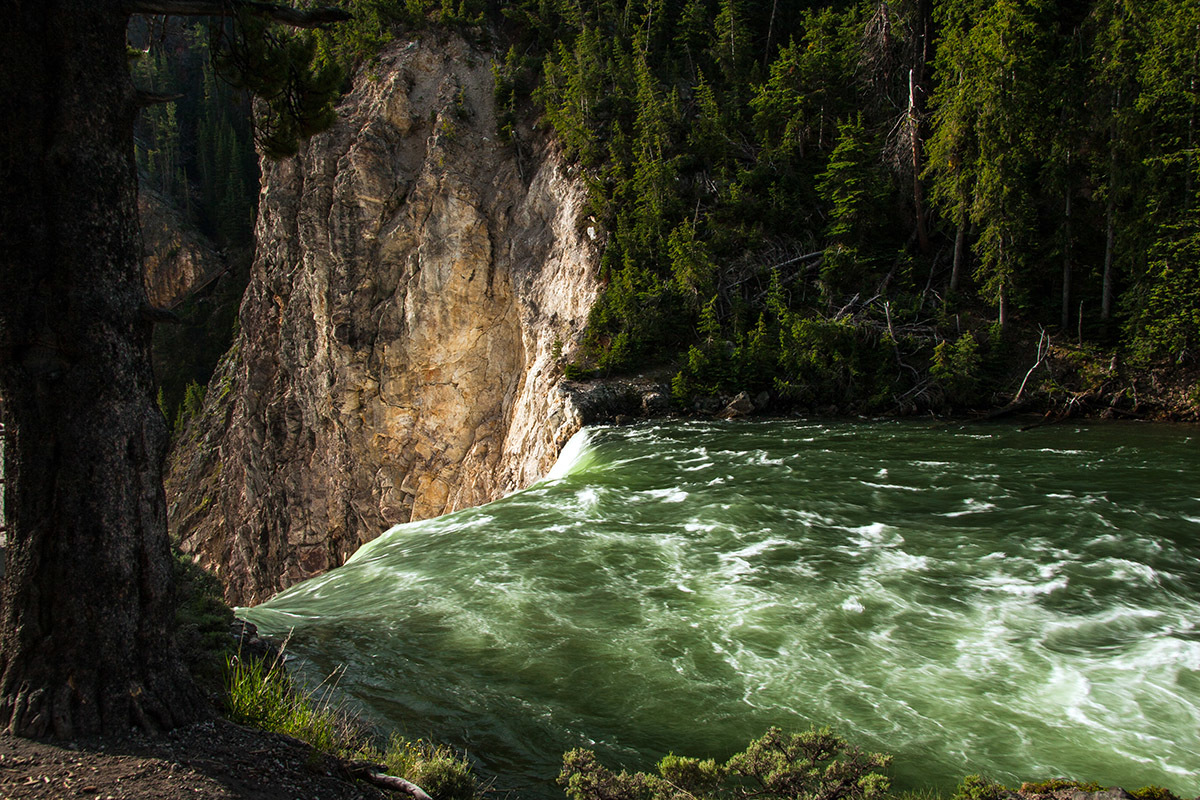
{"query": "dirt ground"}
{"type": "Point", "coordinates": [213, 759]}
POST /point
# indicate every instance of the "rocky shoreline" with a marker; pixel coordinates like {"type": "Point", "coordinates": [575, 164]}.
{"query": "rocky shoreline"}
{"type": "Point", "coordinates": [1058, 392]}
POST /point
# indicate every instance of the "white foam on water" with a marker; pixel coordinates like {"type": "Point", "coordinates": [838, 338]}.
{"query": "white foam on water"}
{"type": "Point", "coordinates": [571, 455]}
{"type": "Point", "coordinates": [893, 486]}
{"type": "Point", "coordinates": [853, 605]}
{"type": "Point", "coordinates": [804, 570]}
{"type": "Point", "coordinates": [1016, 586]}
{"type": "Point", "coordinates": [758, 548]}
{"type": "Point", "coordinates": [763, 459]}
{"type": "Point", "coordinates": [809, 518]}
{"type": "Point", "coordinates": [900, 561]}
{"type": "Point", "coordinates": [873, 532]}
{"type": "Point", "coordinates": [671, 495]}
{"type": "Point", "coordinates": [1133, 571]}
{"type": "Point", "coordinates": [695, 459]}
{"type": "Point", "coordinates": [973, 506]}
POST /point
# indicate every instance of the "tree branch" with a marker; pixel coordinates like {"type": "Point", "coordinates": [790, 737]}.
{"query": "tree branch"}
{"type": "Point", "coordinates": [295, 17]}
{"type": "Point", "coordinates": [377, 774]}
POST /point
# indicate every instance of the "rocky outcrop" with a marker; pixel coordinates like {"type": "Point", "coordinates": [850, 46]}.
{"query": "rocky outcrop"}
{"type": "Point", "coordinates": [178, 258]}
{"type": "Point", "coordinates": [415, 286]}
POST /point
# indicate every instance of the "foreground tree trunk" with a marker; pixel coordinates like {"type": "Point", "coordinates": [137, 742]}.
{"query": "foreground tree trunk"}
{"type": "Point", "coordinates": [86, 627]}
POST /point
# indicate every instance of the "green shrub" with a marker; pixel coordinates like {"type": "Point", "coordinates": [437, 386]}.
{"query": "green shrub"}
{"type": "Point", "coordinates": [831, 361]}
{"type": "Point", "coordinates": [1154, 793]}
{"type": "Point", "coordinates": [1056, 785]}
{"type": "Point", "coordinates": [436, 768]}
{"type": "Point", "coordinates": [813, 764]}
{"type": "Point", "coordinates": [956, 368]}
{"type": "Point", "coordinates": [802, 766]}
{"type": "Point", "coordinates": [193, 402]}
{"type": "Point", "coordinates": [202, 620]}
{"type": "Point", "coordinates": [262, 694]}
{"type": "Point", "coordinates": [976, 787]}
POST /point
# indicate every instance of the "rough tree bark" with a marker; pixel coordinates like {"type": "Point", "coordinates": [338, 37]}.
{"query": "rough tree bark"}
{"type": "Point", "coordinates": [86, 628]}
{"type": "Point", "coordinates": [86, 624]}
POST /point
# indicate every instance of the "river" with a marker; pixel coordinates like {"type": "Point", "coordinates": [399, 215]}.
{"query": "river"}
{"type": "Point", "coordinates": [969, 597]}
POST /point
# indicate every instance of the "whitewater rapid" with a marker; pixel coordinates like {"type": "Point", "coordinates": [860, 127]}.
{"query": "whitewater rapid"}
{"type": "Point", "coordinates": [969, 598]}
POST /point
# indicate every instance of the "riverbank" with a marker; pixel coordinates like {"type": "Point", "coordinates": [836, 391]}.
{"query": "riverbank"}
{"type": "Point", "coordinates": [1033, 377]}
{"type": "Point", "coordinates": [213, 759]}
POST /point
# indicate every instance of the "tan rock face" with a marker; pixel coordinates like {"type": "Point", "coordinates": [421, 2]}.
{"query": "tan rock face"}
{"type": "Point", "coordinates": [178, 257]}
{"type": "Point", "coordinates": [413, 281]}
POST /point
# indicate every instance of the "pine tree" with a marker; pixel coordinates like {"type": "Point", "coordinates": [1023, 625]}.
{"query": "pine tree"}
{"type": "Point", "coordinates": [953, 147]}
{"type": "Point", "coordinates": [852, 187]}
{"type": "Point", "coordinates": [1165, 307]}
{"type": "Point", "coordinates": [1009, 65]}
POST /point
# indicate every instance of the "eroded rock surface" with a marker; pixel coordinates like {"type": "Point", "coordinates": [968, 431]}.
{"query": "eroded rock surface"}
{"type": "Point", "coordinates": [178, 257]}
{"type": "Point", "coordinates": [416, 282]}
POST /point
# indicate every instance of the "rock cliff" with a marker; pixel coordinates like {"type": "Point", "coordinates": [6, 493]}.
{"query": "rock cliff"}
{"type": "Point", "coordinates": [179, 258]}
{"type": "Point", "coordinates": [415, 284]}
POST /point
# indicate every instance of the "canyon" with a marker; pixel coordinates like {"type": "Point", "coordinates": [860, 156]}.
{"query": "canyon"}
{"type": "Point", "coordinates": [417, 285]}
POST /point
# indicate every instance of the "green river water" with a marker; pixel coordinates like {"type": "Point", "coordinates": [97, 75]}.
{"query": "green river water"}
{"type": "Point", "coordinates": [970, 598]}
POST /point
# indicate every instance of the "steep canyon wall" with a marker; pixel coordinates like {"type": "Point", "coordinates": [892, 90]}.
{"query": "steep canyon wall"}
{"type": "Point", "coordinates": [415, 281]}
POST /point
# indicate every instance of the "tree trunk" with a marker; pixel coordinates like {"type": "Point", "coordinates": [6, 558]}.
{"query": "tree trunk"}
{"type": "Point", "coordinates": [960, 243]}
{"type": "Point", "coordinates": [1066, 268]}
{"type": "Point", "coordinates": [1002, 312]}
{"type": "Point", "coordinates": [770, 35]}
{"type": "Point", "coordinates": [1106, 292]}
{"type": "Point", "coordinates": [915, 134]}
{"type": "Point", "coordinates": [86, 643]}
{"type": "Point", "coordinates": [1110, 214]}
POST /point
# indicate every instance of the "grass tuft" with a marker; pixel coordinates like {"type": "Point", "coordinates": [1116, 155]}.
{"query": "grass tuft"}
{"type": "Point", "coordinates": [262, 694]}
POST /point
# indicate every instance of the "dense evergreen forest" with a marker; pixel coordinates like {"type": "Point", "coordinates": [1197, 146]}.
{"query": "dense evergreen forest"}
{"type": "Point", "coordinates": [858, 203]}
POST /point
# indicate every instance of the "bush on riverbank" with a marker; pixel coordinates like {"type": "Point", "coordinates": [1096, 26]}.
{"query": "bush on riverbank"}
{"type": "Point", "coordinates": [977, 787]}
{"type": "Point", "coordinates": [816, 765]}
{"type": "Point", "coordinates": [813, 764]}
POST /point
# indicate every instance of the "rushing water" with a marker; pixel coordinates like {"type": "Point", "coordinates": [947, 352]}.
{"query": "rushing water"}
{"type": "Point", "coordinates": [970, 598]}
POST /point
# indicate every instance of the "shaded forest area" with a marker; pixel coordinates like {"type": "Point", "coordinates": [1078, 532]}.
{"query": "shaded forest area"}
{"type": "Point", "coordinates": [196, 151]}
{"type": "Point", "coordinates": [872, 205]}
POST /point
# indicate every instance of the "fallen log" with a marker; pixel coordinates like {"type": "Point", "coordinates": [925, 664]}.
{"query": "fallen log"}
{"type": "Point", "coordinates": [397, 784]}
{"type": "Point", "coordinates": [374, 773]}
